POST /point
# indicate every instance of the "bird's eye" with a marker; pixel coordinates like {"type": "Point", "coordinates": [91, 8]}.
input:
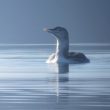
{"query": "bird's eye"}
{"type": "Point", "coordinates": [59, 29]}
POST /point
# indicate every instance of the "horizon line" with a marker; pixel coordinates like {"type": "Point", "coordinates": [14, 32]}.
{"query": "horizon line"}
{"type": "Point", "coordinates": [71, 44]}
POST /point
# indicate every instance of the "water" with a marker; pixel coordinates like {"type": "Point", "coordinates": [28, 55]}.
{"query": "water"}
{"type": "Point", "coordinates": [28, 83]}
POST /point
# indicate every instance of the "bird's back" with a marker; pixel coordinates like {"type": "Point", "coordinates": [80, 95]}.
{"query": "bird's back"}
{"type": "Point", "coordinates": [77, 57]}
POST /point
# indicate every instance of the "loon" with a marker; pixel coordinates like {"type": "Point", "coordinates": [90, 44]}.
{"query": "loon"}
{"type": "Point", "coordinates": [62, 54]}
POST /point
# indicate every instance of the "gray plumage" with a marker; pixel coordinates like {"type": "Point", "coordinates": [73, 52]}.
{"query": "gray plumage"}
{"type": "Point", "coordinates": [62, 54]}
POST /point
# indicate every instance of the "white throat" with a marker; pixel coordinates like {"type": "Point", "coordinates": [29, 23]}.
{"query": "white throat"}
{"type": "Point", "coordinates": [62, 48]}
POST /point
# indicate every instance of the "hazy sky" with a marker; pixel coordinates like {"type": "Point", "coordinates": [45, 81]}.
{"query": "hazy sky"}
{"type": "Point", "coordinates": [22, 21]}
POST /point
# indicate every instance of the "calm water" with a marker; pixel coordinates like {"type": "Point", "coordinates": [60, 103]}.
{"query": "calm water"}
{"type": "Point", "coordinates": [28, 83]}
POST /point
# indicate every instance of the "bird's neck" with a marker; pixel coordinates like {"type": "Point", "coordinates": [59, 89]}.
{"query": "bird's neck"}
{"type": "Point", "coordinates": [62, 47]}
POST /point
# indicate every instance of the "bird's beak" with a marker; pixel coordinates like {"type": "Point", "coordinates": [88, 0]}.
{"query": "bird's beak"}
{"type": "Point", "coordinates": [48, 30]}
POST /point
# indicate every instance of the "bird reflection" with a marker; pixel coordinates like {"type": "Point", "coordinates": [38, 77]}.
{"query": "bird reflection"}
{"type": "Point", "coordinates": [61, 71]}
{"type": "Point", "coordinates": [62, 68]}
{"type": "Point", "coordinates": [61, 77]}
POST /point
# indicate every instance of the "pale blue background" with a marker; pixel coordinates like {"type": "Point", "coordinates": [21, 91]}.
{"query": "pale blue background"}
{"type": "Point", "coordinates": [22, 21]}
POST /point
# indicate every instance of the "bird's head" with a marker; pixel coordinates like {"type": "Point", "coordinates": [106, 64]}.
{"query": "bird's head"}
{"type": "Point", "coordinates": [59, 32]}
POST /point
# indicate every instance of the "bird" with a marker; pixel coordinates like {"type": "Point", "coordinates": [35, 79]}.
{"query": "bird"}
{"type": "Point", "coordinates": [62, 54]}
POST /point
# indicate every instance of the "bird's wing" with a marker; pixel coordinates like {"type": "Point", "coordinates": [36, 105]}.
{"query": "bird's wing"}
{"type": "Point", "coordinates": [52, 56]}
{"type": "Point", "coordinates": [76, 54]}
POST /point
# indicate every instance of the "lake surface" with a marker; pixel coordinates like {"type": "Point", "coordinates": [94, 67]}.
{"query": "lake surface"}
{"type": "Point", "coordinates": [28, 83]}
